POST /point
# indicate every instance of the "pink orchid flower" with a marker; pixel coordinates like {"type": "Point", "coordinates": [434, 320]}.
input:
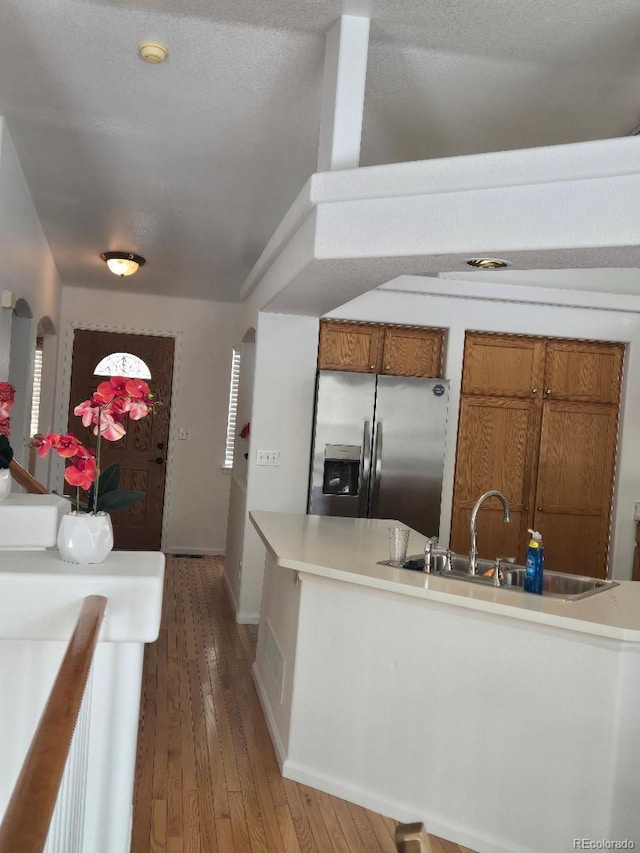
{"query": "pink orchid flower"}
{"type": "Point", "coordinates": [67, 445]}
{"type": "Point", "coordinates": [7, 392]}
{"type": "Point", "coordinates": [116, 386]}
{"type": "Point", "coordinates": [137, 388]}
{"type": "Point", "coordinates": [119, 406]}
{"type": "Point", "coordinates": [5, 426]}
{"type": "Point", "coordinates": [5, 408]}
{"type": "Point", "coordinates": [110, 428]}
{"type": "Point", "coordinates": [88, 411]}
{"type": "Point", "coordinates": [104, 392]}
{"type": "Point", "coordinates": [81, 472]}
{"type": "Point", "coordinates": [138, 409]}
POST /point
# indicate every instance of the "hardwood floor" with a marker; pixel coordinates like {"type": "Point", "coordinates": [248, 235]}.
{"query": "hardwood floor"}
{"type": "Point", "coordinates": [207, 778]}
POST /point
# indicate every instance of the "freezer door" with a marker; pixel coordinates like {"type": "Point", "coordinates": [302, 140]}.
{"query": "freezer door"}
{"type": "Point", "coordinates": [341, 452]}
{"type": "Point", "coordinates": [409, 444]}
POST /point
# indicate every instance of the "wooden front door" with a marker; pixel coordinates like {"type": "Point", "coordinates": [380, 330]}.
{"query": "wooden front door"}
{"type": "Point", "coordinates": [142, 452]}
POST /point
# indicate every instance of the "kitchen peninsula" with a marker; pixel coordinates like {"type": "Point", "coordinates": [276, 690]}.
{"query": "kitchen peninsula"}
{"type": "Point", "coordinates": [505, 721]}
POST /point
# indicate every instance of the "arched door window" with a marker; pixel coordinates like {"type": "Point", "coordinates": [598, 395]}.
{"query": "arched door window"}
{"type": "Point", "coordinates": [122, 364]}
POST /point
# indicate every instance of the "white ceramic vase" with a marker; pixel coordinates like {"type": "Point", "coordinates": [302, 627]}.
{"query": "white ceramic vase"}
{"type": "Point", "coordinates": [85, 538]}
{"type": "Point", "coordinates": [5, 483]}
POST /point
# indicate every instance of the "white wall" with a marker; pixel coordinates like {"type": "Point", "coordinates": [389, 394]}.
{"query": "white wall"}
{"type": "Point", "coordinates": [28, 270]}
{"type": "Point", "coordinates": [281, 419]}
{"type": "Point", "coordinates": [206, 332]}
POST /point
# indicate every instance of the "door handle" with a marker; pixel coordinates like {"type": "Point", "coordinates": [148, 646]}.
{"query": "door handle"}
{"type": "Point", "coordinates": [160, 445]}
{"type": "Point", "coordinates": [365, 468]}
{"type": "Point", "coordinates": [377, 471]}
{"type": "Point", "coordinates": [158, 460]}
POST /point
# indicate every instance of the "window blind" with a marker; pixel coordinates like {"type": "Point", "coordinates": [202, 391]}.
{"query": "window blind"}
{"type": "Point", "coordinates": [233, 409]}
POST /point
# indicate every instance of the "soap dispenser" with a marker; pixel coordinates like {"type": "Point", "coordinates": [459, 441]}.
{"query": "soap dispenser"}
{"type": "Point", "coordinates": [535, 564]}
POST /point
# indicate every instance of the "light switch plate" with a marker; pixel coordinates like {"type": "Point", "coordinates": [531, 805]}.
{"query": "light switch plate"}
{"type": "Point", "coordinates": [268, 457]}
{"type": "Point", "coordinates": [183, 433]}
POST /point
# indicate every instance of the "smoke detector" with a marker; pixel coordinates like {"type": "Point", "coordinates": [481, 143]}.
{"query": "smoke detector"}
{"type": "Point", "coordinates": [153, 51]}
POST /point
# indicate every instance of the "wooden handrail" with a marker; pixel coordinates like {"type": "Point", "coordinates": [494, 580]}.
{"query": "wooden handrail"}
{"type": "Point", "coordinates": [26, 821]}
{"type": "Point", "coordinates": [26, 480]}
{"type": "Point", "coordinates": [412, 838]}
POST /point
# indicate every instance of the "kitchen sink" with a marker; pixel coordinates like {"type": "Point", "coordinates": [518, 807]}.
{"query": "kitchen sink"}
{"type": "Point", "coordinates": [561, 585]}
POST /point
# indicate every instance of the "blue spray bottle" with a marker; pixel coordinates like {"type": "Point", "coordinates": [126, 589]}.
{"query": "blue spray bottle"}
{"type": "Point", "coordinates": [535, 564]}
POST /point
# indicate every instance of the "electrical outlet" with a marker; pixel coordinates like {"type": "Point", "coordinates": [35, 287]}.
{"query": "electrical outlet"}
{"type": "Point", "coordinates": [268, 457]}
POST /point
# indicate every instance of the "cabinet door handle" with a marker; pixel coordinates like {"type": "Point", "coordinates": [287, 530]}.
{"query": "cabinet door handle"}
{"type": "Point", "coordinates": [158, 460]}
{"type": "Point", "coordinates": [387, 367]}
{"type": "Point", "coordinates": [372, 367]}
{"type": "Point", "coordinates": [539, 509]}
{"type": "Point", "coordinates": [534, 390]}
{"type": "Point", "coordinates": [547, 393]}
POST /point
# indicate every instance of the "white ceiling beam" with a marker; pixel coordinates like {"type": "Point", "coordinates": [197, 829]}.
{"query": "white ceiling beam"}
{"type": "Point", "coordinates": [345, 73]}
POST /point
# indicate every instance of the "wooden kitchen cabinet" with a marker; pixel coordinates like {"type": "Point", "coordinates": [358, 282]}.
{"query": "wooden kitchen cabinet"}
{"type": "Point", "coordinates": [411, 351]}
{"type": "Point", "coordinates": [583, 370]}
{"type": "Point", "coordinates": [485, 425]}
{"type": "Point", "coordinates": [503, 365]}
{"type": "Point", "coordinates": [538, 421]}
{"type": "Point", "coordinates": [375, 348]}
{"type": "Point", "coordinates": [574, 485]}
{"type": "Point", "coordinates": [350, 346]}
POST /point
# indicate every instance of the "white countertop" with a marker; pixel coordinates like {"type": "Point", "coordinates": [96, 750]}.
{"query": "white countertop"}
{"type": "Point", "coordinates": [41, 595]}
{"type": "Point", "coordinates": [347, 549]}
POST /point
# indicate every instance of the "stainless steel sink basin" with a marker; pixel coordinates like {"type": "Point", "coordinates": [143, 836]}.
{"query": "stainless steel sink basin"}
{"type": "Point", "coordinates": [559, 584]}
{"type": "Point", "coordinates": [555, 584]}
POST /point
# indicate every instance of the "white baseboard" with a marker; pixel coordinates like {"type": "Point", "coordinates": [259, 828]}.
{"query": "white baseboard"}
{"type": "Point", "coordinates": [243, 618]}
{"type": "Point", "coordinates": [230, 592]}
{"type": "Point", "coordinates": [198, 552]}
{"type": "Point", "coordinates": [271, 723]}
{"type": "Point", "coordinates": [384, 805]}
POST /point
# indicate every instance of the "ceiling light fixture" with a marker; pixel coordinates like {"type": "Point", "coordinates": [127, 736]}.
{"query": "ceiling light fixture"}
{"type": "Point", "coordinates": [488, 263]}
{"type": "Point", "coordinates": [153, 51]}
{"type": "Point", "coordinates": [122, 263]}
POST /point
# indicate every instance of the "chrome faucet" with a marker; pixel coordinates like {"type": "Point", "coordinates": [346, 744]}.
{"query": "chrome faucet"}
{"type": "Point", "coordinates": [433, 549]}
{"type": "Point", "coordinates": [473, 550]}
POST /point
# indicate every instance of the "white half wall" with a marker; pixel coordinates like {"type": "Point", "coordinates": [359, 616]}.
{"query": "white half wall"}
{"type": "Point", "coordinates": [196, 500]}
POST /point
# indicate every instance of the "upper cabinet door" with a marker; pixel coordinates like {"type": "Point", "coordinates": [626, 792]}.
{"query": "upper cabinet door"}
{"type": "Point", "coordinates": [412, 352]}
{"type": "Point", "coordinates": [583, 371]}
{"type": "Point", "coordinates": [349, 346]}
{"type": "Point", "coordinates": [503, 365]}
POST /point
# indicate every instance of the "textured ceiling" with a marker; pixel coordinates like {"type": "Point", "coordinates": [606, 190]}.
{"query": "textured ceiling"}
{"type": "Point", "coordinates": [193, 163]}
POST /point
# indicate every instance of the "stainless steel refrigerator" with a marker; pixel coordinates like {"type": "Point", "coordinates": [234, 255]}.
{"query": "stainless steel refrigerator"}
{"type": "Point", "coordinates": [378, 448]}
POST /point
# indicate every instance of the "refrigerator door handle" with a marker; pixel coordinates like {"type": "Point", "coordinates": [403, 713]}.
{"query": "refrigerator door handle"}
{"type": "Point", "coordinates": [365, 468]}
{"type": "Point", "coordinates": [377, 471]}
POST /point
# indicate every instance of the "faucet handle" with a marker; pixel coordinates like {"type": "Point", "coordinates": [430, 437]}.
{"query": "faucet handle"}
{"type": "Point", "coordinates": [429, 546]}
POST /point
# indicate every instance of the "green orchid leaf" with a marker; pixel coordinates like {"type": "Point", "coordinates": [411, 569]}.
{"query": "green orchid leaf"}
{"type": "Point", "coordinates": [109, 479]}
{"type": "Point", "coordinates": [118, 499]}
